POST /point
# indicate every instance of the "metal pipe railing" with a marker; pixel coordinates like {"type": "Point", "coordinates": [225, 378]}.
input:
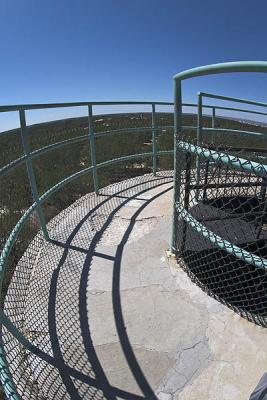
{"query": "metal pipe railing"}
{"type": "Point", "coordinates": [233, 99]}
{"type": "Point", "coordinates": [154, 138]}
{"type": "Point", "coordinates": [213, 69]}
{"type": "Point", "coordinates": [30, 171]}
{"type": "Point", "coordinates": [92, 147]}
{"type": "Point", "coordinates": [93, 168]}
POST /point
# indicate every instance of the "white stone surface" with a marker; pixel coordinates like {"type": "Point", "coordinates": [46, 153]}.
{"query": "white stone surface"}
{"type": "Point", "coordinates": [111, 304]}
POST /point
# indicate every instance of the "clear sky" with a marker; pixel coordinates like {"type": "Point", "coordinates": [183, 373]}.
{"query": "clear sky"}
{"type": "Point", "coordinates": [75, 50]}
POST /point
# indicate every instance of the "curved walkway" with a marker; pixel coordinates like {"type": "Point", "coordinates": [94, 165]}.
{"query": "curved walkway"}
{"type": "Point", "coordinates": [120, 319]}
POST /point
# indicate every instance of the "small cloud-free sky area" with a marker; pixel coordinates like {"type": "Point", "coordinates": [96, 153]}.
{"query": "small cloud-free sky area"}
{"type": "Point", "coordinates": [66, 50]}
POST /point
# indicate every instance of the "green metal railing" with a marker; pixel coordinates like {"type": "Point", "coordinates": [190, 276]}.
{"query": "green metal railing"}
{"type": "Point", "coordinates": [213, 69]}
{"type": "Point", "coordinates": [38, 200]}
{"type": "Point", "coordinates": [213, 130]}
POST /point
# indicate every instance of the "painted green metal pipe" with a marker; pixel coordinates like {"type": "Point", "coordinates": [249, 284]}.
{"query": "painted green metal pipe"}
{"type": "Point", "coordinates": [199, 140]}
{"type": "Point", "coordinates": [236, 162]}
{"type": "Point", "coordinates": [235, 131]}
{"type": "Point", "coordinates": [13, 164]}
{"type": "Point", "coordinates": [243, 110]}
{"type": "Point", "coordinates": [239, 66]}
{"type": "Point", "coordinates": [154, 139]}
{"type": "Point", "coordinates": [213, 122]}
{"type": "Point", "coordinates": [233, 99]}
{"type": "Point", "coordinates": [45, 149]}
{"type": "Point", "coordinates": [221, 68]}
{"type": "Point", "coordinates": [213, 117]}
{"type": "Point", "coordinates": [223, 244]}
{"type": "Point", "coordinates": [16, 107]}
{"type": "Point", "coordinates": [30, 171]}
{"type": "Point", "coordinates": [176, 161]}
{"type": "Point", "coordinates": [92, 147]}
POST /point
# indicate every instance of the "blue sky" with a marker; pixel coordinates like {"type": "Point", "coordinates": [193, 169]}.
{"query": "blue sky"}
{"type": "Point", "coordinates": [75, 50]}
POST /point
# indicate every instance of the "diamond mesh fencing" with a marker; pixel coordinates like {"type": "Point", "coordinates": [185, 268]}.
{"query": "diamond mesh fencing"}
{"type": "Point", "coordinates": [222, 224]}
{"type": "Point", "coordinates": [45, 289]}
{"type": "Point", "coordinates": [49, 303]}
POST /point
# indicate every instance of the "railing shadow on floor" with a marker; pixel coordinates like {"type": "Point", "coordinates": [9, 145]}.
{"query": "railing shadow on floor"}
{"type": "Point", "coordinates": [95, 377]}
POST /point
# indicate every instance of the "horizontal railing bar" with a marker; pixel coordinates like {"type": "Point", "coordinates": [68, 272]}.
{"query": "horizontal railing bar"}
{"type": "Point", "coordinates": [122, 130]}
{"type": "Point", "coordinates": [131, 157]}
{"type": "Point", "coordinates": [40, 151]}
{"type": "Point", "coordinates": [222, 130]}
{"type": "Point", "coordinates": [12, 164]}
{"type": "Point", "coordinates": [37, 106]}
{"type": "Point", "coordinates": [52, 146]}
{"type": "Point", "coordinates": [217, 107]}
{"type": "Point", "coordinates": [244, 110]}
{"type": "Point", "coordinates": [233, 99]}
{"type": "Point", "coordinates": [212, 130]}
{"type": "Point", "coordinates": [225, 185]}
{"type": "Point", "coordinates": [77, 139]}
{"type": "Point", "coordinates": [139, 129]}
{"type": "Point", "coordinates": [223, 244]}
{"type": "Point", "coordinates": [248, 215]}
{"type": "Point", "coordinates": [221, 68]}
{"type": "Point", "coordinates": [236, 162]}
{"type": "Point", "coordinates": [248, 149]}
{"type": "Point", "coordinates": [132, 130]}
{"type": "Point", "coordinates": [171, 126]}
{"type": "Point", "coordinates": [17, 107]}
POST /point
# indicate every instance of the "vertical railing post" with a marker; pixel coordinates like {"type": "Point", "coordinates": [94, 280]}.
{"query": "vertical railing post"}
{"type": "Point", "coordinates": [199, 140]}
{"type": "Point", "coordinates": [177, 162]}
{"type": "Point", "coordinates": [30, 172]}
{"type": "Point", "coordinates": [213, 122]}
{"type": "Point", "coordinates": [213, 117]}
{"type": "Point", "coordinates": [92, 147]}
{"type": "Point", "coordinates": [154, 139]}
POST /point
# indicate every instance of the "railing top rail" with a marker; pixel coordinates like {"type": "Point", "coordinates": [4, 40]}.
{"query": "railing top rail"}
{"type": "Point", "coordinates": [220, 68]}
{"type": "Point", "coordinates": [210, 106]}
{"type": "Point", "coordinates": [236, 109]}
{"type": "Point", "coordinates": [217, 107]}
{"type": "Point", "coordinates": [17, 107]}
{"type": "Point", "coordinates": [234, 99]}
{"type": "Point", "coordinates": [38, 106]}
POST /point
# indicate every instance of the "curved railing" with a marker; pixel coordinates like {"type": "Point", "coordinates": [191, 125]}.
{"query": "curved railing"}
{"type": "Point", "coordinates": [221, 236]}
{"type": "Point", "coordinates": [38, 200]}
{"type": "Point", "coordinates": [27, 160]}
{"type": "Point", "coordinates": [213, 69]}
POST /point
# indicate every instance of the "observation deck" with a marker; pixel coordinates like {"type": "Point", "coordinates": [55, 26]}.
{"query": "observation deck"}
{"type": "Point", "coordinates": [113, 261]}
{"type": "Point", "coordinates": [121, 318]}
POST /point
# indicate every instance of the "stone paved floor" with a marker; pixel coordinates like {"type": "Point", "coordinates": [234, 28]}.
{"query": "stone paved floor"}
{"type": "Point", "coordinates": [128, 323]}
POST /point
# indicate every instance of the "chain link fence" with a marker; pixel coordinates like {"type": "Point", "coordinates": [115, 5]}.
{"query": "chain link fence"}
{"type": "Point", "coordinates": [222, 223]}
{"type": "Point", "coordinates": [37, 271]}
